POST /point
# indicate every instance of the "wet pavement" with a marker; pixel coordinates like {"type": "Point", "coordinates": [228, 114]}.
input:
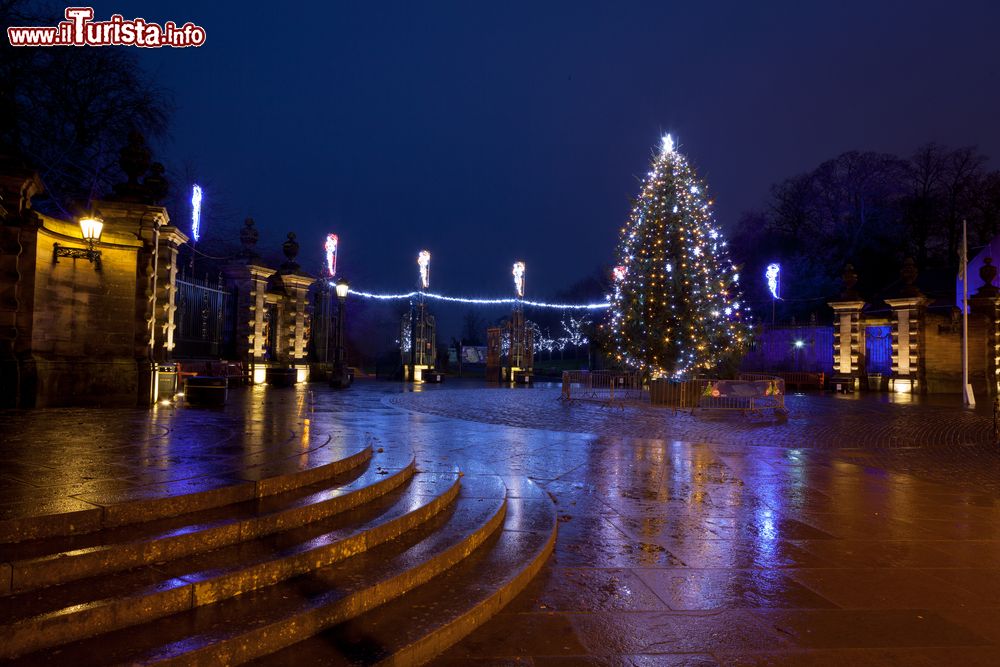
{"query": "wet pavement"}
{"type": "Point", "coordinates": [860, 532]}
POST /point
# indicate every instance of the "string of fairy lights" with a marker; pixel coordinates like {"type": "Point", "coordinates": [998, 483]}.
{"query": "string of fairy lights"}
{"type": "Point", "coordinates": [676, 304]}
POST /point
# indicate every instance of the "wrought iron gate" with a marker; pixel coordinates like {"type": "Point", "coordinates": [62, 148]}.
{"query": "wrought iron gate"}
{"type": "Point", "coordinates": [878, 350]}
{"type": "Point", "coordinates": [205, 318]}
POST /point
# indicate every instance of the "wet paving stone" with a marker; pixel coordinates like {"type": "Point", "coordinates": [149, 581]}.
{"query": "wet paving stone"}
{"type": "Point", "coordinates": [685, 589]}
{"type": "Point", "coordinates": [588, 589]}
{"type": "Point", "coordinates": [862, 532]}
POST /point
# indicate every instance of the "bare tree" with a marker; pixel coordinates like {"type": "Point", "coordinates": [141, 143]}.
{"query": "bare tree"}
{"type": "Point", "coordinates": [68, 111]}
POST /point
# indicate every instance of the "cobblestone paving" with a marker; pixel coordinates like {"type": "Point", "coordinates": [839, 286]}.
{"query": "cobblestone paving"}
{"type": "Point", "coordinates": [815, 420]}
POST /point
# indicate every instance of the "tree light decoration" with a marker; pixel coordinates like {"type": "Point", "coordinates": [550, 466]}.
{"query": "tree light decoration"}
{"type": "Point", "coordinates": [619, 273]}
{"type": "Point", "coordinates": [196, 213]}
{"type": "Point", "coordinates": [675, 308]}
{"type": "Point", "coordinates": [331, 254]}
{"type": "Point", "coordinates": [424, 262]}
{"type": "Point", "coordinates": [772, 274]}
{"type": "Point", "coordinates": [481, 302]}
{"type": "Point", "coordinates": [668, 144]}
{"type": "Point", "coordinates": [519, 279]}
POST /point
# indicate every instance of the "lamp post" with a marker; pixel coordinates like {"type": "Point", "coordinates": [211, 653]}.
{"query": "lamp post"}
{"type": "Point", "coordinates": [91, 227]}
{"type": "Point", "coordinates": [340, 378]}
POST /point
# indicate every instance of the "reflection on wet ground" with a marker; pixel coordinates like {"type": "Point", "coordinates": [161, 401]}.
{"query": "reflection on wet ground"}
{"type": "Point", "coordinates": [678, 544]}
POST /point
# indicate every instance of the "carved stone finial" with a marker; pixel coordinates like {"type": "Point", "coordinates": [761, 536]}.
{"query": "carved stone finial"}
{"type": "Point", "coordinates": [909, 275]}
{"type": "Point", "coordinates": [134, 158]}
{"type": "Point", "coordinates": [850, 279]}
{"type": "Point", "coordinates": [156, 183]}
{"type": "Point", "coordinates": [135, 161]}
{"type": "Point", "coordinates": [291, 249]}
{"type": "Point", "coordinates": [987, 273]}
{"type": "Point", "coordinates": [248, 239]}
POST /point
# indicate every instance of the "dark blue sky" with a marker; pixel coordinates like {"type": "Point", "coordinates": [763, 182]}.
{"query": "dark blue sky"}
{"type": "Point", "coordinates": [489, 132]}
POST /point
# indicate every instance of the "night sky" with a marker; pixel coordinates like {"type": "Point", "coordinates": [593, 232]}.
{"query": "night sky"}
{"type": "Point", "coordinates": [489, 132]}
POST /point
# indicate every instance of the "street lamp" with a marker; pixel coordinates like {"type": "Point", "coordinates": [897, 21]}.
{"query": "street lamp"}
{"type": "Point", "coordinates": [340, 378]}
{"type": "Point", "coordinates": [91, 227]}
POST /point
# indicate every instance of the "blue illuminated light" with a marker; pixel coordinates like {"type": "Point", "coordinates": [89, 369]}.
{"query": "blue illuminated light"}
{"type": "Point", "coordinates": [196, 212]}
{"type": "Point", "coordinates": [772, 275]}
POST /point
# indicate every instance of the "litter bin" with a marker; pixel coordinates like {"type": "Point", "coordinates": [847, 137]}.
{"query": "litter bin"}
{"type": "Point", "coordinates": [166, 381]}
{"type": "Point", "coordinates": [874, 382]}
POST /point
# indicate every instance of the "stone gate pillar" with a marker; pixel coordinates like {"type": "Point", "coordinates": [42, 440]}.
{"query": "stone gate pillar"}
{"type": "Point", "coordinates": [984, 325]}
{"type": "Point", "coordinates": [294, 288]}
{"type": "Point", "coordinates": [171, 239]}
{"type": "Point", "coordinates": [847, 366]}
{"type": "Point", "coordinates": [145, 222]}
{"type": "Point", "coordinates": [908, 353]}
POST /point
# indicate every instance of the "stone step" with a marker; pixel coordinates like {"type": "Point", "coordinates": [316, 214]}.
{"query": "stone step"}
{"type": "Point", "coordinates": [247, 626]}
{"type": "Point", "coordinates": [426, 621]}
{"type": "Point", "coordinates": [386, 472]}
{"type": "Point", "coordinates": [149, 503]}
{"type": "Point", "coordinates": [52, 616]}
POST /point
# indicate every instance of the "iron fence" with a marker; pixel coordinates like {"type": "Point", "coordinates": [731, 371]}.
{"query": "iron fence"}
{"type": "Point", "coordinates": [607, 387]}
{"type": "Point", "coordinates": [205, 319]}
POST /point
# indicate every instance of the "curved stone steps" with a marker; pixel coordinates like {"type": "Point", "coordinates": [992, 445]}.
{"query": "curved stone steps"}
{"type": "Point", "coordinates": [159, 501]}
{"type": "Point", "coordinates": [81, 609]}
{"type": "Point", "coordinates": [265, 620]}
{"type": "Point", "coordinates": [428, 620]}
{"type": "Point", "coordinates": [383, 475]}
{"type": "Point", "coordinates": [343, 472]}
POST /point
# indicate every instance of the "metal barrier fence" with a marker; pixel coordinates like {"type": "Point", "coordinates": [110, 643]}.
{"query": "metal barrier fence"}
{"type": "Point", "coordinates": [608, 387]}
{"type": "Point", "coordinates": [753, 394]}
{"type": "Point", "coordinates": [676, 394]}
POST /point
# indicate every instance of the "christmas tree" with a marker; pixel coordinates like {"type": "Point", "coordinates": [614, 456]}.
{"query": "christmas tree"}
{"type": "Point", "coordinates": [676, 306]}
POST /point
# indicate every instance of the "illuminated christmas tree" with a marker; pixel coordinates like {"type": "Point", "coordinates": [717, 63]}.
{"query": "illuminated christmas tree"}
{"type": "Point", "coordinates": [676, 306]}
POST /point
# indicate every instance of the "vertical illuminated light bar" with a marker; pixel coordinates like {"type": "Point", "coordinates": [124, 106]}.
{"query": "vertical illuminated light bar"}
{"type": "Point", "coordinates": [773, 275]}
{"type": "Point", "coordinates": [416, 364]}
{"type": "Point", "coordinates": [519, 279]}
{"type": "Point", "coordinates": [424, 262]}
{"type": "Point", "coordinates": [196, 213]}
{"type": "Point", "coordinates": [331, 254]}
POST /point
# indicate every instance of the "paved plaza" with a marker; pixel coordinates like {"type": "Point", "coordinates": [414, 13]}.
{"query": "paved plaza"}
{"type": "Point", "coordinates": [862, 531]}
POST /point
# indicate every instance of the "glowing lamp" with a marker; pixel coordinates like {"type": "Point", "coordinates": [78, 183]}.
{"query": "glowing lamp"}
{"type": "Point", "coordinates": [91, 227]}
{"type": "Point", "coordinates": [342, 289]}
{"type": "Point", "coordinates": [800, 343]}
{"type": "Point", "coordinates": [519, 278]}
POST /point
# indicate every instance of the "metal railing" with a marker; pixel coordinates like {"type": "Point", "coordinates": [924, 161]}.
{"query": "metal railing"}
{"type": "Point", "coordinates": [607, 387]}
{"type": "Point", "coordinates": [753, 394]}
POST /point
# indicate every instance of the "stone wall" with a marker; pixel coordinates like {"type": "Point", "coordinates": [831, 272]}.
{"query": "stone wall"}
{"type": "Point", "coordinates": [943, 353]}
{"type": "Point", "coordinates": [83, 321]}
